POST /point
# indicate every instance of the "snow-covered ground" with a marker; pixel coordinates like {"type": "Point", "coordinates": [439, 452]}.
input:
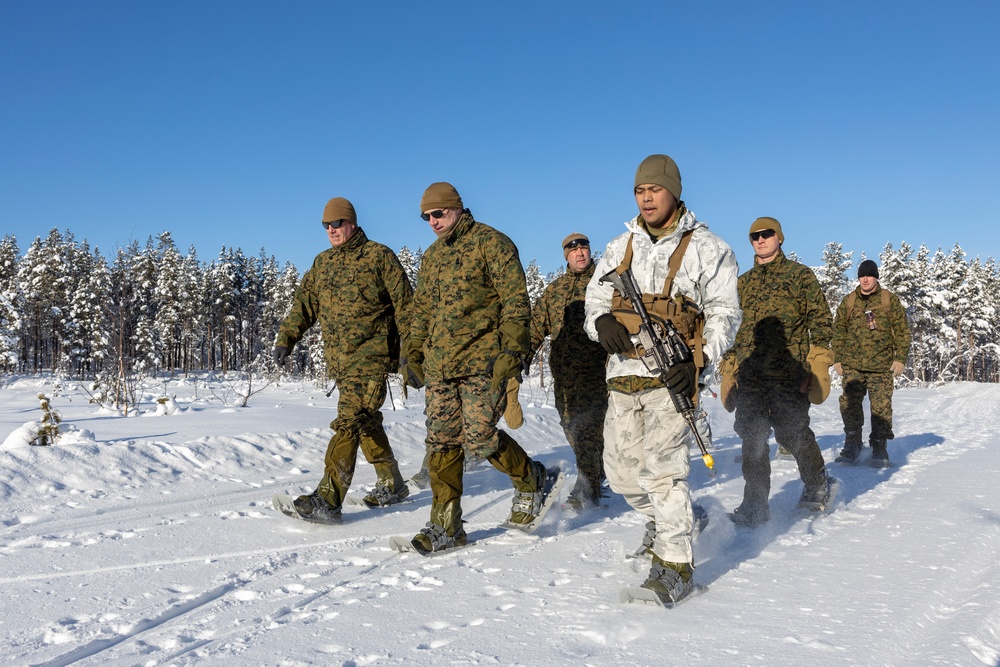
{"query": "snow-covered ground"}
{"type": "Point", "coordinates": [151, 540]}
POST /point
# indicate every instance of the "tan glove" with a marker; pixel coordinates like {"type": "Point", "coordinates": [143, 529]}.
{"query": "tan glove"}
{"type": "Point", "coordinates": [897, 368]}
{"type": "Point", "coordinates": [513, 414]}
{"type": "Point", "coordinates": [727, 385]}
{"type": "Point", "coordinates": [819, 359]}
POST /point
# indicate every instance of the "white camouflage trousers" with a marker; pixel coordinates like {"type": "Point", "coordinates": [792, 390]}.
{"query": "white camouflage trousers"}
{"type": "Point", "coordinates": [647, 460]}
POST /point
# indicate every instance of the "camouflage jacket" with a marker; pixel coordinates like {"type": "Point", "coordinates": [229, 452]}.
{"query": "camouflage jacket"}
{"type": "Point", "coordinates": [469, 283]}
{"type": "Point", "coordinates": [784, 312]}
{"type": "Point", "coordinates": [859, 347]}
{"type": "Point", "coordinates": [559, 313]}
{"type": "Point", "coordinates": [358, 292]}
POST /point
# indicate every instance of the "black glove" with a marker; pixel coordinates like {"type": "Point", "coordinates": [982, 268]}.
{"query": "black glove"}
{"type": "Point", "coordinates": [280, 355]}
{"type": "Point", "coordinates": [612, 335]}
{"type": "Point", "coordinates": [682, 378]}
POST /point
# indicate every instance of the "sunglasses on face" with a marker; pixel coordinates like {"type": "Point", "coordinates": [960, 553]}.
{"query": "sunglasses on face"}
{"type": "Point", "coordinates": [762, 234]}
{"type": "Point", "coordinates": [437, 215]}
{"type": "Point", "coordinates": [577, 243]}
{"type": "Point", "coordinates": [336, 224]}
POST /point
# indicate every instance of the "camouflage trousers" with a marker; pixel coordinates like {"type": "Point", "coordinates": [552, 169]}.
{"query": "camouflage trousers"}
{"type": "Point", "coordinates": [358, 425]}
{"type": "Point", "coordinates": [647, 460]}
{"type": "Point", "coordinates": [782, 407]}
{"type": "Point", "coordinates": [878, 385]}
{"type": "Point", "coordinates": [582, 407]}
{"type": "Point", "coordinates": [462, 414]}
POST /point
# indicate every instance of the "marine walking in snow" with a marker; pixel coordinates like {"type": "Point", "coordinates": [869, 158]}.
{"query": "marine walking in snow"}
{"type": "Point", "coordinates": [468, 337]}
{"type": "Point", "coordinates": [358, 291]}
{"type": "Point", "coordinates": [871, 342]}
{"type": "Point", "coordinates": [688, 276]}
{"type": "Point", "coordinates": [779, 364]}
{"type": "Point", "coordinates": [577, 364]}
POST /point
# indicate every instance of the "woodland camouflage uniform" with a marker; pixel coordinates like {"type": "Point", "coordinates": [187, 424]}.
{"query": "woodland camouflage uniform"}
{"type": "Point", "coordinates": [784, 314]}
{"type": "Point", "coordinates": [470, 309]}
{"type": "Point", "coordinates": [578, 370]}
{"type": "Point", "coordinates": [357, 292]}
{"type": "Point", "coordinates": [866, 356]}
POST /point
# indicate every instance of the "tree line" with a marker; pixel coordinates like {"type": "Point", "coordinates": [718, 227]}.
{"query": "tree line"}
{"type": "Point", "coordinates": [149, 310]}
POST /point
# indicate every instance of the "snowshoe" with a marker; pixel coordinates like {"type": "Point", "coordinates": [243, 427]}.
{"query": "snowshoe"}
{"type": "Point", "coordinates": [750, 517]}
{"type": "Point", "coordinates": [665, 586]}
{"type": "Point", "coordinates": [312, 508]}
{"type": "Point", "coordinates": [431, 539]}
{"type": "Point", "coordinates": [383, 496]}
{"type": "Point", "coordinates": [820, 498]}
{"type": "Point", "coordinates": [880, 456]}
{"type": "Point", "coordinates": [530, 507]}
{"type": "Point", "coordinates": [850, 453]}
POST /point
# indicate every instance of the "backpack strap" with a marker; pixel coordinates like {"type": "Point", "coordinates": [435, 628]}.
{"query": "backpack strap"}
{"type": "Point", "coordinates": [852, 297]}
{"type": "Point", "coordinates": [674, 263]}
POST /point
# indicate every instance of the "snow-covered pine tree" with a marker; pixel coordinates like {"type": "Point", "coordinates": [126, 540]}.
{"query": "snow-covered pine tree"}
{"type": "Point", "coordinates": [536, 284]}
{"type": "Point", "coordinates": [90, 338]}
{"type": "Point", "coordinates": [278, 303]}
{"type": "Point", "coordinates": [220, 289]}
{"type": "Point", "coordinates": [10, 318]}
{"type": "Point", "coordinates": [167, 294]}
{"type": "Point", "coordinates": [193, 315]}
{"type": "Point", "coordinates": [41, 282]}
{"type": "Point", "coordinates": [979, 337]}
{"type": "Point", "coordinates": [833, 274]}
{"type": "Point", "coordinates": [411, 263]}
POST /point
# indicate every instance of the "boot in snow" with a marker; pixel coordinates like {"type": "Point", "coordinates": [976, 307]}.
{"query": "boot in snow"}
{"type": "Point", "coordinates": [671, 582]}
{"type": "Point", "coordinates": [315, 507]}
{"type": "Point", "coordinates": [443, 531]}
{"type": "Point", "coordinates": [880, 455]}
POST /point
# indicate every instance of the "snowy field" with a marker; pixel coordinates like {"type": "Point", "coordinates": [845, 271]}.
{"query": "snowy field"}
{"type": "Point", "coordinates": [151, 540]}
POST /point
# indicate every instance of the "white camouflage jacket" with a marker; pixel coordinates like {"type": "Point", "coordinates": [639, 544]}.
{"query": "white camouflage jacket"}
{"type": "Point", "coordinates": [707, 275]}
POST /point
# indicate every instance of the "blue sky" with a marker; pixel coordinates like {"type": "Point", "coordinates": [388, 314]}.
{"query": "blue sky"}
{"type": "Point", "coordinates": [232, 123]}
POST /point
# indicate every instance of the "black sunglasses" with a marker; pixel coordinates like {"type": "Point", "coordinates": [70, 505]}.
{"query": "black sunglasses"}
{"type": "Point", "coordinates": [336, 224]}
{"type": "Point", "coordinates": [762, 234]}
{"type": "Point", "coordinates": [437, 215]}
{"type": "Point", "coordinates": [576, 243]}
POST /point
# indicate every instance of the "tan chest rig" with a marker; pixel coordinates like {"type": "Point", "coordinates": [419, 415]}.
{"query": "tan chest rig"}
{"type": "Point", "coordinates": [684, 313]}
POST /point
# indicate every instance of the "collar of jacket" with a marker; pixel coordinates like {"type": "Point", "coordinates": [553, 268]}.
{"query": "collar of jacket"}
{"type": "Point", "coordinates": [874, 292]}
{"type": "Point", "coordinates": [688, 220]}
{"type": "Point", "coordinates": [586, 273]}
{"type": "Point", "coordinates": [358, 239]}
{"type": "Point", "coordinates": [778, 260]}
{"type": "Point", "coordinates": [461, 227]}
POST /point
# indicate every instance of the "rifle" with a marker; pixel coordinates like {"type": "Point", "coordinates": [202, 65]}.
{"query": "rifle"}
{"type": "Point", "coordinates": [660, 347]}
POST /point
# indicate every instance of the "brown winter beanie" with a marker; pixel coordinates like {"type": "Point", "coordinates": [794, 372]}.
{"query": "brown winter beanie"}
{"type": "Point", "coordinates": [440, 195]}
{"type": "Point", "coordinates": [868, 268]}
{"type": "Point", "coordinates": [767, 223]}
{"type": "Point", "coordinates": [339, 208]}
{"type": "Point", "coordinates": [575, 236]}
{"type": "Point", "coordinates": [660, 170]}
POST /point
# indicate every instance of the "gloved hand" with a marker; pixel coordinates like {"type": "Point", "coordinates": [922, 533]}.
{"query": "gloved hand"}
{"type": "Point", "coordinates": [612, 335]}
{"type": "Point", "coordinates": [506, 365]}
{"type": "Point", "coordinates": [280, 355]}
{"type": "Point", "coordinates": [413, 374]}
{"type": "Point", "coordinates": [682, 378]}
{"type": "Point", "coordinates": [411, 360]}
{"type": "Point", "coordinates": [897, 368]}
{"type": "Point", "coordinates": [838, 369]}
